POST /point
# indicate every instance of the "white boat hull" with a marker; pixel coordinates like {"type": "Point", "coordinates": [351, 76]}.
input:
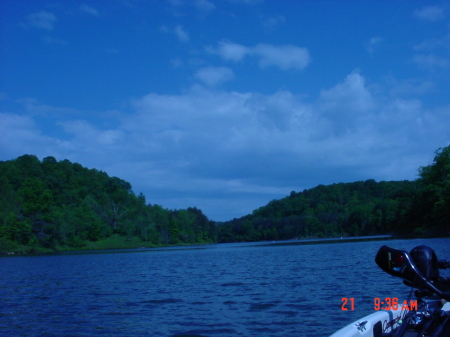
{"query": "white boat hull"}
{"type": "Point", "coordinates": [380, 321]}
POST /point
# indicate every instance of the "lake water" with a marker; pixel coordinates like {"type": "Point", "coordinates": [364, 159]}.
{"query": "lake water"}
{"type": "Point", "coordinates": [217, 290]}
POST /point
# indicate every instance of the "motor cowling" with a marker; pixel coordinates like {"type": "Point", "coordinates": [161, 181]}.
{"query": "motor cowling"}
{"type": "Point", "coordinates": [426, 261]}
{"type": "Point", "coordinates": [421, 272]}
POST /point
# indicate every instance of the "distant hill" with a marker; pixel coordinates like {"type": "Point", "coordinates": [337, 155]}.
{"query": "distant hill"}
{"type": "Point", "coordinates": [344, 209]}
{"type": "Point", "coordinates": [420, 207]}
{"type": "Point", "coordinates": [53, 205]}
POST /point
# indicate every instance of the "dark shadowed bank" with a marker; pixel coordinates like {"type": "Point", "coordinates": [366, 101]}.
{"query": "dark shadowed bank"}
{"type": "Point", "coordinates": [50, 206]}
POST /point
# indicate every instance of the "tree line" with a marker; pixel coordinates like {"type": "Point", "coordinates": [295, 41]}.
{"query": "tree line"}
{"type": "Point", "coordinates": [414, 208]}
{"type": "Point", "coordinates": [53, 205]}
{"type": "Point", "coordinates": [344, 209]}
{"type": "Point", "coordinates": [56, 205]}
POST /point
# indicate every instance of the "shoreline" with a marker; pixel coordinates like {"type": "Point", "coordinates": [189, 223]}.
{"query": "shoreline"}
{"type": "Point", "coordinates": [292, 242]}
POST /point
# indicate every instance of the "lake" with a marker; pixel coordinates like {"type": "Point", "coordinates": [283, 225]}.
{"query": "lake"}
{"type": "Point", "coordinates": [214, 290]}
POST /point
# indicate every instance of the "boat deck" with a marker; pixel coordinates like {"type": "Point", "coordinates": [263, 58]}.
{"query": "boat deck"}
{"type": "Point", "coordinates": [431, 332]}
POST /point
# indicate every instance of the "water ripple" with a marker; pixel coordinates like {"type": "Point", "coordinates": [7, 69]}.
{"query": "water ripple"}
{"type": "Point", "coordinates": [220, 291]}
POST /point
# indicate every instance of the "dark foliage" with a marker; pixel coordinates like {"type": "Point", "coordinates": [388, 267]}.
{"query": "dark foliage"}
{"type": "Point", "coordinates": [412, 208]}
{"type": "Point", "coordinates": [430, 208]}
{"type": "Point", "coordinates": [344, 209]}
{"type": "Point", "coordinates": [55, 204]}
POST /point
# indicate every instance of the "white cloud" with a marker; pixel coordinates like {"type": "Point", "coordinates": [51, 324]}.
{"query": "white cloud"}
{"type": "Point", "coordinates": [244, 130]}
{"type": "Point", "coordinates": [44, 20]}
{"type": "Point", "coordinates": [176, 62]}
{"type": "Point", "coordinates": [409, 87]}
{"type": "Point", "coordinates": [87, 135]}
{"type": "Point", "coordinates": [434, 43]}
{"type": "Point", "coordinates": [430, 13]}
{"type": "Point", "coordinates": [200, 5]}
{"type": "Point", "coordinates": [433, 53]}
{"type": "Point", "coordinates": [175, 2]}
{"type": "Point", "coordinates": [231, 51]}
{"type": "Point", "coordinates": [179, 150]}
{"type": "Point", "coordinates": [80, 129]}
{"type": "Point", "coordinates": [89, 10]}
{"type": "Point", "coordinates": [181, 34]}
{"type": "Point", "coordinates": [349, 97]}
{"type": "Point", "coordinates": [204, 5]}
{"type": "Point", "coordinates": [431, 61]}
{"type": "Point", "coordinates": [21, 135]}
{"type": "Point", "coordinates": [373, 44]}
{"type": "Point", "coordinates": [11, 123]}
{"type": "Point", "coordinates": [213, 76]}
{"type": "Point", "coordinates": [285, 56]}
{"type": "Point", "coordinates": [33, 107]}
{"type": "Point", "coordinates": [272, 21]}
{"type": "Point", "coordinates": [53, 40]}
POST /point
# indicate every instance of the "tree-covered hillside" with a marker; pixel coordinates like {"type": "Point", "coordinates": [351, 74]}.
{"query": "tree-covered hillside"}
{"type": "Point", "coordinates": [420, 207]}
{"type": "Point", "coordinates": [60, 205]}
{"type": "Point", "coordinates": [51, 205]}
{"type": "Point", "coordinates": [344, 209]}
{"type": "Point", "coordinates": [430, 208]}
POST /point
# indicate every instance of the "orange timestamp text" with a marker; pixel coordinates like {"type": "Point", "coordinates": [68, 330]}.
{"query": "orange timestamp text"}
{"type": "Point", "coordinates": [392, 303]}
{"type": "Point", "coordinates": [388, 303]}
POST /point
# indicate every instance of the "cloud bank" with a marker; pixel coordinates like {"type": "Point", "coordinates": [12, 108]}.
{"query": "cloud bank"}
{"type": "Point", "coordinates": [206, 145]}
{"type": "Point", "coordinates": [285, 57]}
{"type": "Point", "coordinates": [42, 20]}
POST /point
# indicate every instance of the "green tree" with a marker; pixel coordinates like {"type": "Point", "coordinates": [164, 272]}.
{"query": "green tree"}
{"type": "Point", "coordinates": [432, 205]}
{"type": "Point", "coordinates": [35, 196]}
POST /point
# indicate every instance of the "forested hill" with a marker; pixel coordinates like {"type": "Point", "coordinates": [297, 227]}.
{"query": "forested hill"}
{"type": "Point", "coordinates": [53, 205]}
{"type": "Point", "coordinates": [344, 209]}
{"type": "Point", "coordinates": [49, 205]}
{"type": "Point", "coordinates": [420, 207]}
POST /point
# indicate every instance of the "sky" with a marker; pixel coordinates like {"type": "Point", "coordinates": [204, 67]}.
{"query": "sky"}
{"type": "Point", "coordinates": [226, 105]}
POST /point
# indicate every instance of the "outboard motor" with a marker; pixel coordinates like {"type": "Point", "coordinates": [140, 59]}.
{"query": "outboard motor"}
{"type": "Point", "coordinates": [419, 269]}
{"type": "Point", "coordinates": [426, 261]}
{"type": "Point", "coordinates": [428, 264]}
{"type": "Point", "coordinates": [400, 263]}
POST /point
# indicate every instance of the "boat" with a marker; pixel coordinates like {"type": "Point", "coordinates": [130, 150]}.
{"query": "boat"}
{"type": "Point", "coordinates": [427, 315]}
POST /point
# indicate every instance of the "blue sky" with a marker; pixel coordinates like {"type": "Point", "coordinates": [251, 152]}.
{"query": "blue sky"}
{"type": "Point", "coordinates": [226, 105]}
